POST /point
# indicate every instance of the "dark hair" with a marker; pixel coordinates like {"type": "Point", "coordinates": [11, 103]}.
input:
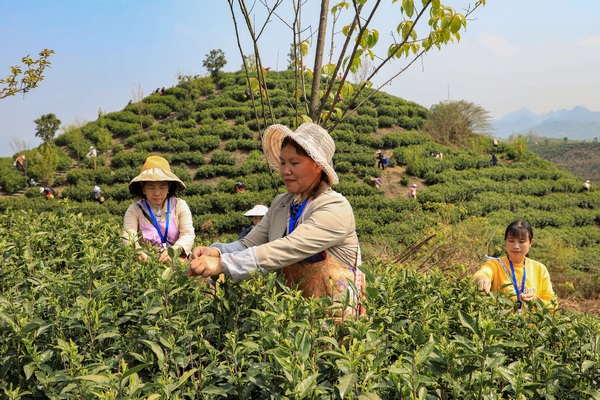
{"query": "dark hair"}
{"type": "Point", "coordinates": [288, 141]}
{"type": "Point", "coordinates": [137, 191]}
{"type": "Point", "coordinates": [520, 230]}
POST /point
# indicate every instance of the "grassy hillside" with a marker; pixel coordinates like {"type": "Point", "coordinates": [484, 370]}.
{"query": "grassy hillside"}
{"type": "Point", "coordinates": [582, 159]}
{"type": "Point", "coordinates": [210, 135]}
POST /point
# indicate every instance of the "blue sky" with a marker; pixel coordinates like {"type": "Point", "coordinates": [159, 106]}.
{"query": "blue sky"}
{"type": "Point", "coordinates": [540, 54]}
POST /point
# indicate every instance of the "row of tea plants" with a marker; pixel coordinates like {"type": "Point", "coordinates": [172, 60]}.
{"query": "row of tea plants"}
{"type": "Point", "coordinates": [81, 319]}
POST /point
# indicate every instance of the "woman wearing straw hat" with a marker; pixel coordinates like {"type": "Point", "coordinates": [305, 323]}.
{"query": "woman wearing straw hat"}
{"type": "Point", "coordinates": [162, 219]}
{"type": "Point", "coordinates": [309, 233]}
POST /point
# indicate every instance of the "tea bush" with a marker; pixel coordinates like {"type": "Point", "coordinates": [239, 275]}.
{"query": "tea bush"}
{"type": "Point", "coordinates": [80, 318]}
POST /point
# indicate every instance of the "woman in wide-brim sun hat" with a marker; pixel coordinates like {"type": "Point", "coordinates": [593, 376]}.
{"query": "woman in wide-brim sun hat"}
{"type": "Point", "coordinates": [308, 233]}
{"type": "Point", "coordinates": [159, 219]}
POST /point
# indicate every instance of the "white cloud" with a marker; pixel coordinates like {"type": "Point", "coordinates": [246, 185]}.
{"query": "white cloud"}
{"type": "Point", "coordinates": [498, 45]}
{"type": "Point", "coordinates": [590, 42]}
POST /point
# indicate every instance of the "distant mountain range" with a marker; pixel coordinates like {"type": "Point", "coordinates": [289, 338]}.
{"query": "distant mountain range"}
{"type": "Point", "coordinates": [577, 124]}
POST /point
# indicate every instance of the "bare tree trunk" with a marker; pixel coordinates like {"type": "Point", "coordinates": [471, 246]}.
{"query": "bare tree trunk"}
{"type": "Point", "coordinates": [316, 84]}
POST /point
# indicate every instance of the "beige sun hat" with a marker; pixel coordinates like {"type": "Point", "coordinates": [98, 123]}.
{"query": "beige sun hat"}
{"type": "Point", "coordinates": [315, 140]}
{"type": "Point", "coordinates": [155, 169]}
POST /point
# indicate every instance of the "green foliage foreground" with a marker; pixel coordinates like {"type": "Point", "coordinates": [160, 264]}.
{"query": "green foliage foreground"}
{"type": "Point", "coordinates": [80, 318]}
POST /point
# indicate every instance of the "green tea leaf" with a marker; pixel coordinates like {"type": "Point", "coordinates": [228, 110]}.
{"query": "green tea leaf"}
{"type": "Point", "coordinates": [468, 322]}
{"type": "Point", "coordinates": [156, 349]}
{"type": "Point", "coordinates": [306, 387]}
{"type": "Point", "coordinates": [346, 383]}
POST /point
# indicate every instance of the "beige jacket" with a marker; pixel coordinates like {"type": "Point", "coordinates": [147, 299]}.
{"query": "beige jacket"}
{"type": "Point", "coordinates": [326, 224]}
{"type": "Point", "coordinates": [183, 221]}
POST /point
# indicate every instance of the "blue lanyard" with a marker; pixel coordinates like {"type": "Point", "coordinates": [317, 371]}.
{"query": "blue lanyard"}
{"type": "Point", "coordinates": [163, 238]}
{"type": "Point", "coordinates": [295, 213]}
{"type": "Point", "coordinates": [514, 280]}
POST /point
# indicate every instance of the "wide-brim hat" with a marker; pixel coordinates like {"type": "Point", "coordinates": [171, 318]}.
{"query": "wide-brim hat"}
{"type": "Point", "coordinates": [414, 185]}
{"type": "Point", "coordinates": [257, 211]}
{"type": "Point", "coordinates": [155, 169]}
{"type": "Point", "coordinates": [315, 140]}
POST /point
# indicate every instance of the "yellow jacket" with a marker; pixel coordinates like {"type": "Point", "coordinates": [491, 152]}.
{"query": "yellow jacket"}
{"type": "Point", "coordinates": [537, 279]}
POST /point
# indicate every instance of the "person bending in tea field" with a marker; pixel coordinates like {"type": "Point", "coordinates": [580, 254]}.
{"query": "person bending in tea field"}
{"type": "Point", "coordinates": [159, 219]}
{"type": "Point", "coordinates": [256, 213]}
{"type": "Point", "coordinates": [515, 274]}
{"type": "Point", "coordinates": [308, 233]}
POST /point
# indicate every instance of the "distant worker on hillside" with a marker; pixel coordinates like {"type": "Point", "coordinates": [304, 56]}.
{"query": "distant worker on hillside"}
{"type": "Point", "coordinates": [519, 277]}
{"type": "Point", "coordinates": [256, 213]}
{"type": "Point", "coordinates": [376, 182]}
{"type": "Point", "coordinates": [412, 193]}
{"type": "Point", "coordinates": [92, 152]}
{"type": "Point", "coordinates": [381, 161]}
{"type": "Point", "coordinates": [20, 163]}
{"type": "Point", "coordinates": [239, 187]}
{"type": "Point", "coordinates": [494, 160]}
{"type": "Point", "coordinates": [587, 185]}
{"type": "Point", "coordinates": [163, 219]}
{"type": "Point", "coordinates": [495, 142]}
{"type": "Point", "coordinates": [47, 192]}
{"type": "Point", "coordinates": [97, 194]}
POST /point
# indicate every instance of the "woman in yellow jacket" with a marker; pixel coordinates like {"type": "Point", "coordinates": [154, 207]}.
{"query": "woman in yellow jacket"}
{"type": "Point", "coordinates": [518, 276]}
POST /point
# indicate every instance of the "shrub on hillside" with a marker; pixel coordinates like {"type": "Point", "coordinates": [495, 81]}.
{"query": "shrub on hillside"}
{"type": "Point", "coordinates": [158, 110]}
{"type": "Point", "coordinates": [243, 144]}
{"type": "Point", "coordinates": [387, 111]}
{"type": "Point", "coordinates": [132, 140]}
{"type": "Point", "coordinates": [157, 105]}
{"type": "Point", "coordinates": [101, 175]}
{"type": "Point", "coordinates": [369, 140]}
{"type": "Point", "coordinates": [366, 172]}
{"type": "Point", "coordinates": [183, 174]}
{"type": "Point", "coordinates": [117, 148]}
{"type": "Point", "coordinates": [203, 144]}
{"type": "Point", "coordinates": [119, 192]}
{"type": "Point", "coordinates": [131, 117]}
{"type": "Point", "coordinates": [120, 128]}
{"type": "Point", "coordinates": [397, 139]}
{"type": "Point", "coordinates": [131, 159]}
{"type": "Point", "coordinates": [197, 188]}
{"type": "Point", "coordinates": [356, 189]}
{"type": "Point", "coordinates": [12, 182]}
{"type": "Point", "coordinates": [369, 111]}
{"type": "Point", "coordinates": [211, 171]}
{"type": "Point", "coordinates": [385, 122]}
{"type": "Point", "coordinates": [410, 123]}
{"type": "Point", "coordinates": [152, 146]}
{"type": "Point", "coordinates": [125, 174]}
{"type": "Point", "coordinates": [198, 205]}
{"type": "Point", "coordinates": [363, 159]}
{"type": "Point", "coordinates": [341, 135]}
{"type": "Point", "coordinates": [362, 123]}
{"type": "Point", "coordinates": [251, 166]}
{"type": "Point", "coordinates": [187, 158]}
{"type": "Point", "coordinates": [343, 167]}
{"type": "Point", "coordinates": [222, 157]}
